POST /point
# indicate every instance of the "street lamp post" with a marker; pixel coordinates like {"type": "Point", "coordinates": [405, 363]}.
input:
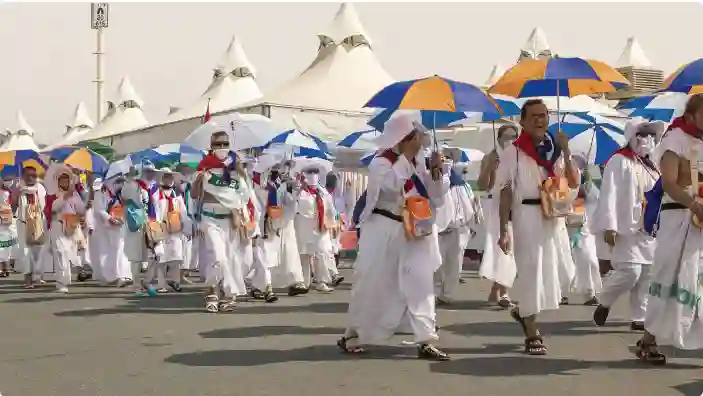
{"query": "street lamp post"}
{"type": "Point", "coordinates": [98, 21]}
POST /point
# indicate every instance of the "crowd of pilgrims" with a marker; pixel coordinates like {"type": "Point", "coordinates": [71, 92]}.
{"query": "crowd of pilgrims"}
{"type": "Point", "coordinates": [251, 226]}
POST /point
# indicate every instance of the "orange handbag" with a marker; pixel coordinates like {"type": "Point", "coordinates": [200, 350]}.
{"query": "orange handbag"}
{"type": "Point", "coordinates": [274, 212]}
{"type": "Point", "coordinates": [70, 222]}
{"type": "Point", "coordinates": [416, 210]}
{"type": "Point", "coordinates": [6, 215]}
{"type": "Point", "coordinates": [173, 222]}
{"type": "Point", "coordinates": [554, 197]}
{"type": "Point", "coordinates": [117, 211]}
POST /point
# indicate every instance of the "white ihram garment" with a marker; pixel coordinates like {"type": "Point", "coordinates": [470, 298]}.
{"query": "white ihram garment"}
{"type": "Point", "coordinates": [64, 246]}
{"type": "Point", "coordinates": [8, 233]}
{"type": "Point", "coordinates": [587, 278]}
{"type": "Point", "coordinates": [283, 249]}
{"type": "Point", "coordinates": [673, 310]}
{"type": "Point", "coordinates": [541, 245]}
{"type": "Point", "coordinates": [312, 241]}
{"type": "Point", "coordinates": [173, 255]}
{"type": "Point", "coordinates": [109, 242]}
{"type": "Point", "coordinates": [496, 265]}
{"type": "Point", "coordinates": [393, 286]}
{"type": "Point", "coordinates": [619, 209]}
{"type": "Point", "coordinates": [29, 257]}
{"type": "Point", "coordinates": [453, 223]}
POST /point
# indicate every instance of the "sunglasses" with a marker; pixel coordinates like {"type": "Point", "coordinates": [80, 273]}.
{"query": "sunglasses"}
{"type": "Point", "coordinates": [312, 171]}
{"type": "Point", "coordinates": [219, 145]}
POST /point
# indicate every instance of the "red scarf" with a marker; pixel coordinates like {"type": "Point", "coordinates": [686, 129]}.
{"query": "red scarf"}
{"type": "Point", "coordinates": [169, 197]}
{"type": "Point", "coordinates": [392, 157]}
{"type": "Point", "coordinates": [319, 206]}
{"type": "Point", "coordinates": [48, 204]}
{"type": "Point", "coordinates": [627, 152]}
{"type": "Point", "coordinates": [210, 162]}
{"type": "Point", "coordinates": [250, 207]}
{"type": "Point", "coordinates": [525, 144]}
{"type": "Point", "coordinates": [107, 191]}
{"type": "Point", "coordinates": [256, 178]}
{"type": "Point", "coordinates": [689, 129]}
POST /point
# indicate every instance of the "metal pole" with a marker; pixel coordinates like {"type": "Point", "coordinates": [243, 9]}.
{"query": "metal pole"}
{"type": "Point", "coordinates": [99, 83]}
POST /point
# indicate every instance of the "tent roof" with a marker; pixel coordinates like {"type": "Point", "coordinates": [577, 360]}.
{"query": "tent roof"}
{"type": "Point", "coordinates": [536, 46]}
{"type": "Point", "coordinates": [496, 73]}
{"type": "Point", "coordinates": [343, 76]}
{"type": "Point", "coordinates": [234, 85]}
{"type": "Point", "coordinates": [127, 115]}
{"type": "Point", "coordinates": [633, 55]}
{"type": "Point", "coordinates": [20, 137]}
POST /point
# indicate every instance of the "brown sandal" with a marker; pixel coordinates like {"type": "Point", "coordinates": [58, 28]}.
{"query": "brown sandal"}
{"type": "Point", "coordinates": [648, 352]}
{"type": "Point", "coordinates": [342, 344]}
{"type": "Point", "coordinates": [535, 346]}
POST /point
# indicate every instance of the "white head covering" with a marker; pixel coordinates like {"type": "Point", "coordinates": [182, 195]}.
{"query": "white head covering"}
{"type": "Point", "coordinates": [167, 171]}
{"type": "Point", "coordinates": [97, 184]}
{"type": "Point", "coordinates": [55, 171]}
{"type": "Point", "coordinates": [304, 163]}
{"type": "Point", "coordinates": [633, 126]}
{"type": "Point", "coordinates": [397, 128]}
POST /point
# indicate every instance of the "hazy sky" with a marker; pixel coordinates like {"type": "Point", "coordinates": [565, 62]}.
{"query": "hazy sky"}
{"type": "Point", "coordinates": [169, 50]}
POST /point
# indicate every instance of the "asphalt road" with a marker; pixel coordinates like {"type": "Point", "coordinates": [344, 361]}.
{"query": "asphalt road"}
{"type": "Point", "coordinates": [102, 342]}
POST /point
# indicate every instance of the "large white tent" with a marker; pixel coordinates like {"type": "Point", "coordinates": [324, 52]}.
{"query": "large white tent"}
{"type": "Point", "coordinates": [233, 83]}
{"type": "Point", "coordinates": [20, 136]}
{"type": "Point", "coordinates": [124, 114]}
{"type": "Point", "coordinates": [79, 125]}
{"type": "Point", "coordinates": [633, 55]}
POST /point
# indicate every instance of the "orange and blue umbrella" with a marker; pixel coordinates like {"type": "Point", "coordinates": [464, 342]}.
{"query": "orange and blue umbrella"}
{"type": "Point", "coordinates": [558, 77]}
{"type": "Point", "coordinates": [435, 94]}
{"type": "Point", "coordinates": [687, 79]}
{"type": "Point", "coordinates": [12, 162]}
{"type": "Point", "coordinates": [80, 158]}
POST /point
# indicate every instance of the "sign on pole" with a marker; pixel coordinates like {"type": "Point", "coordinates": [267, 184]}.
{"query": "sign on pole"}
{"type": "Point", "coordinates": [98, 12]}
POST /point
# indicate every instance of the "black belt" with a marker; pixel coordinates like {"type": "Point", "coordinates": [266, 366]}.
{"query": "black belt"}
{"type": "Point", "coordinates": [673, 206]}
{"type": "Point", "coordinates": [532, 201]}
{"type": "Point", "coordinates": [388, 214]}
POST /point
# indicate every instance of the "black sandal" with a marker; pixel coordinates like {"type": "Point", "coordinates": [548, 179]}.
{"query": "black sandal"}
{"type": "Point", "coordinates": [648, 352]}
{"type": "Point", "coordinates": [342, 344]}
{"type": "Point", "coordinates": [534, 346]}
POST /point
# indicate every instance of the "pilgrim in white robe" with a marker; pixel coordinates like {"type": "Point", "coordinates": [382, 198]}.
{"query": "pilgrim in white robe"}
{"type": "Point", "coordinates": [8, 235]}
{"type": "Point", "coordinates": [673, 309]}
{"type": "Point", "coordinates": [282, 247]}
{"type": "Point", "coordinates": [314, 243]}
{"type": "Point", "coordinates": [190, 256]}
{"type": "Point", "coordinates": [541, 246]}
{"type": "Point", "coordinates": [624, 183]}
{"type": "Point", "coordinates": [454, 219]}
{"type": "Point", "coordinates": [587, 280]}
{"type": "Point", "coordinates": [29, 257]}
{"type": "Point", "coordinates": [393, 287]}
{"type": "Point", "coordinates": [112, 264]}
{"type": "Point", "coordinates": [169, 264]}
{"type": "Point", "coordinates": [64, 241]}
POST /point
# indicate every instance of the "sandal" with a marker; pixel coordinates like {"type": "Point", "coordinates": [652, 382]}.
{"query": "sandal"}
{"type": "Point", "coordinates": [515, 314]}
{"type": "Point", "coordinates": [504, 302]}
{"type": "Point", "coordinates": [211, 303]}
{"type": "Point", "coordinates": [648, 352]}
{"type": "Point", "coordinates": [256, 294]}
{"type": "Point", "coordinates": [342, 344]}
{"type": "Point", "coordinates": [534, 346]}
{"type": "Point", "coordinates": [29, 287]}
{"type": "Point", "coordinates": [226, 306]}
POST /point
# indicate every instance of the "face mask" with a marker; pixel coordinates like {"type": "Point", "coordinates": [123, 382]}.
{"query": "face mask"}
{"type": "Point", "coordinates": [221, 154]}
{"type": "Point", "coordinates": [643, 145]}
{"type": "Point", "coordinates": [311, 179]}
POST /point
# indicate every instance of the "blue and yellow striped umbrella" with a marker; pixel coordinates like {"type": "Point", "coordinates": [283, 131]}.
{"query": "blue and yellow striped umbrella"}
{"type": "Point", "coordinates": [80, 158]}
{"type": "Point", "coordinates": [687, 79]}
{"type": "Point", "coordinates": [12, 162]}
{"type": "Point", "coordinates": [558, 77]}
{"type": "Point", "coordinates": [435, 94]}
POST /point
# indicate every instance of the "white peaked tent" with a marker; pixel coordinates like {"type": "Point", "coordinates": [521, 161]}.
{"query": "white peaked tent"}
{"type": "Point", "coordinates": [536, 46]}
{"type": "Point", "coordinates": [20, 137]}
{"type": "Point", "coordinates": [79, 125]}
{"type": "Point", "coordinates": [343, 76]}
{"type": "Point", "coordinates": [233, 83]}
{"type": "Point", "coordinates": [125, 114]}
{"type": "Point", "coordinates": [496, 73]}
{"type": "Point", "coordinates": [633, 56]}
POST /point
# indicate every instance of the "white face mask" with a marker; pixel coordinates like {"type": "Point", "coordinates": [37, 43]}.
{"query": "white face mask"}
{"type": "Point", "coordinates": [643, 145]}
{"type": "Point", "coordinates": [311, 179]}
{"type": "Point", "coordinates": [221, 154]}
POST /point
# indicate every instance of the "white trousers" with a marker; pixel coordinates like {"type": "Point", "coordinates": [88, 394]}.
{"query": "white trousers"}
{"type": "Point", "coordinates": [319, 263]}
{"type": "Point", "coordinates": [628, 277]}
{"type": "Point", "coordinates": [260, 274]}
{"type": "Point", "coordinates": [448, 274]}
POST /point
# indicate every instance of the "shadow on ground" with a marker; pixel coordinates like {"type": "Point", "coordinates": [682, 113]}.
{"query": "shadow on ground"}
{"type": "Point", "coordinates": [511, 329]}
{"type": "Point", "coordinates": [691, 388]}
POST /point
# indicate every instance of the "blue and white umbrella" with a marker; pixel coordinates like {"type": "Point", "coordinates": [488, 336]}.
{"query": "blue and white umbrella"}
{"type": "Point", "coordinates": [597, 137]}
{"type": "Point", "coordinates": [367, 158]}
{"type": "Point", "coordinates": [169, 153]}
{"type": "Point", "coordinates": [360, 140]}
{"type": "Point", "coordinates": [298, 139]}
{"type": "Point", "coordinates": [439, 119]}
{"type": "Point", "coordinates": [663, 107]}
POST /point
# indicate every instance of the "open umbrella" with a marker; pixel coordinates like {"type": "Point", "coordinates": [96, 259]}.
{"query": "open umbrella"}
{"type": "Point", "coordinates": [595, 136]}
{"type": "Point", "coordinates": [80, 158]}
{"type": "Point", "coordinates": [558, 77]}
{"type": "Point", "coordinates": [245, 131]}
{"type": "Point", "coordinates": [360, 140]}
{"type": "Point", "coordinates": [662, 107]}
{"type": "Point", "coordinates": [169, 154]}
{"type": "Point", "coordinates": [466, 154]}
{"type": "Point", "coordinates": [12, 162]}
{"type": "Point", "coordinates": [687, 79]}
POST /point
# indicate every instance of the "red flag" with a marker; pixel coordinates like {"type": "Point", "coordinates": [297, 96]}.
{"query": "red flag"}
{"type": "Point", "coordinates": [207, 113]}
